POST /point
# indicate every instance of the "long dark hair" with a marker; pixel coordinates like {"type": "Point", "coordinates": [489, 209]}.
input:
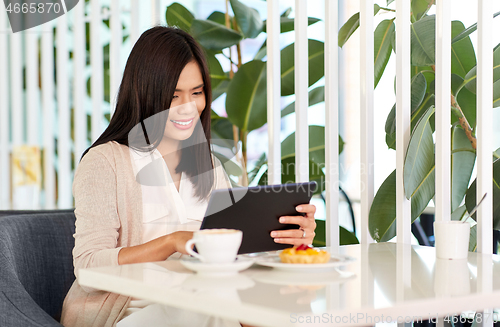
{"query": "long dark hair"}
{"type": "Point", "coordinates": [147, 88]}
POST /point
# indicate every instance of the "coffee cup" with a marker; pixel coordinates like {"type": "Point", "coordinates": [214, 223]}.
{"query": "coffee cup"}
{"type": "Point", "coordinates": [215, 245]}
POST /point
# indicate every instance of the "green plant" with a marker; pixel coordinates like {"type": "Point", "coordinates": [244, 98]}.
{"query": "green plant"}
{"type": "Point", "coordinates": [419, 163]}
{"type": "Point", "coordinates": [245, 88]}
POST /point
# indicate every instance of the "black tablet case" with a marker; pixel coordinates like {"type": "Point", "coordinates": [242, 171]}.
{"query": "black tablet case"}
{"type": "Point", "coordinates": [255, 211]}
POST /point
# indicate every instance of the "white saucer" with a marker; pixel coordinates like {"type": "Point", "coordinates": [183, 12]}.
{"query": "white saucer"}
{"type": "Point", "coordinates": [219, 269]}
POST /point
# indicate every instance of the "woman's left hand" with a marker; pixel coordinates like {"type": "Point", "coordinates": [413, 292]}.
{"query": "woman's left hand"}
{"type": "Point", "coordinates": [305, 234]}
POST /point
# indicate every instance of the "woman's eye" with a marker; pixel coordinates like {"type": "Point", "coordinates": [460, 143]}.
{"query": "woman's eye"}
{"type": "Point", "coordinates": [175, 97]}
{"type": "Point", "coordinates": [198, 93]}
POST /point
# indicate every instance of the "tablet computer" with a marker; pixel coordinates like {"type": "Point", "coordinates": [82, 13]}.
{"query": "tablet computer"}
{"type": "Point", "coordinates": [256, 211]}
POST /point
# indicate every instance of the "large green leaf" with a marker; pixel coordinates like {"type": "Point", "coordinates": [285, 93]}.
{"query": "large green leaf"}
{"type": "Point", "coordinates": [217, 75]}
{"type": "Point", "coordinates": [419, 155]}
{"type": "Point", "coordinates": [418, 87]}
{"type": "Point", "coordinates": [246, 101]}
{"type": "Point", "coordinates": [420, 8]}
{"type": "Point", "coordinates": [316, 58]}
{"type": "Point", "coordinates": [346, 237]}
{"type": "Point", "coordinates": [383, 47]}
{"type": "Point", "coordinates": [415, 117]}
{"type": "Point", "coordinates": [470, 78]}
{"type": "Point", "coordinates": [316, 95]}
{"type": "Point", "coordinates": [382, 218]}
{"type": "Point", "coordinates": [463, 56]}
{"type": "Point", "coordinates": [316, 145]}
{"type": "Point", "coordinates": [178, 15]}
{"type": "Point", "coordinates": [462, 163]}
{"type": "Point", "coordinates": [248, 19]}
{"type": "Point", "coordinates": [287, 24]}
{"type": "Point", "coordinates": [214, 36]}
{"type": "Point", "coordinates": [351, 26]}
{"type": "Point", "coordinates": [470, 197]}
{"type": "Point", "coordinates": [468, 31]}
{"type": "Point", "coordinates": [220, 18]}
{"type": "Point", "coordinates": [423, 40]}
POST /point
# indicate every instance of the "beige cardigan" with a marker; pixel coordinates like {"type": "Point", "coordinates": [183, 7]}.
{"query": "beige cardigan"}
{"type": "Point", "coordinates": [108, 203]}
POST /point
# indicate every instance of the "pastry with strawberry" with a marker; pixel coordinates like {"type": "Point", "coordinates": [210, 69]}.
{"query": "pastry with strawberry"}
{"type": "Point", "coordinates": [304, 254]}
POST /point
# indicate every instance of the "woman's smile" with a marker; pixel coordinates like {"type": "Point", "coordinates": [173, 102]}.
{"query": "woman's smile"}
{"type": "Point", "coordinates": [183, 123]}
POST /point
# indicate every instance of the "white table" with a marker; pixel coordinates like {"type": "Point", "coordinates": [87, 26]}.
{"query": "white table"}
{"type": "Point", "coordinates": [388, 282]}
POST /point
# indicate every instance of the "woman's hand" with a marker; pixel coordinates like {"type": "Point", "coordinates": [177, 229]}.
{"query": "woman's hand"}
{"type": "Point", "coordinates": [158, 249]}
{"type": "Point", "coordinates": [304, 235]}
{"type": "Point", "coordinates": [180, 239]}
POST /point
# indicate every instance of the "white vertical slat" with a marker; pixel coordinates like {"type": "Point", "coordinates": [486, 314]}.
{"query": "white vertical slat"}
{"type": "Point", "coordinates": [134, 21]}
{"type": "Point", "coordinates": [273, 92]}
{"type": "Point", "coordinates": [32, 93]}
{"type": "Point", "coordinates": [484, 136]}
{"type": "Point", "coordinates": [65, 199]}
{"type": "Point", "coordinates": [484, 132]}
{"type": "Point", "coordinates": [96, 60]}
{"type": "Point", "coordinates": [366, 115]}
{"type": "Point", "coordinates": [114, 52]}
{"type": "Point", "coordinates": [301, 95]}
{"type": "Point", "coordinates": [47, 72]}
{"type": "Point", "coordinates": [16, 84]}
{"type": "Point", "coordinates": [79, 53]}
{"type": "Point", "coordinates": [331, 123]}
{"type": "Point", "coordinates": [4, 114]}
{"type": "Point", "coordinates": [403, 116]}
{"type": "Point", "coordinates": [443, 87]}
{"type": "Point", "coordinates": [155, 12]}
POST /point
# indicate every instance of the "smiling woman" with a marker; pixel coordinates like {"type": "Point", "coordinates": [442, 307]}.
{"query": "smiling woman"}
{"type": "Point", "coordinates": [143, 187]}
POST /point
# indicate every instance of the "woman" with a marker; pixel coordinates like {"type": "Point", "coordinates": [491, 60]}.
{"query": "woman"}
{"type": "Point", "coordinates": [121, 217]}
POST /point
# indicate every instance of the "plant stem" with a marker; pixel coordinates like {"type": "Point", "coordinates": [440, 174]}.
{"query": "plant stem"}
{"type": "Point", "coordinates": [455, 108]}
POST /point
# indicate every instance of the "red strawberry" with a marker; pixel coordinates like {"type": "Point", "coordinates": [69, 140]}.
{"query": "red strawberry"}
{"type": "Point", "coordinates": [303, 247]}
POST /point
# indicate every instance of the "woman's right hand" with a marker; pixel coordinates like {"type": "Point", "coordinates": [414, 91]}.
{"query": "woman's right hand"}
{"type": "Point", "coordinates": [156, 250]}
{"type": "Point", "coordinates": [180, 239]}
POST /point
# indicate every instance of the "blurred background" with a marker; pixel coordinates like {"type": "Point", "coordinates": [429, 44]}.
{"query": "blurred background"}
{"type": "Point", "coordinates": [59, 80]}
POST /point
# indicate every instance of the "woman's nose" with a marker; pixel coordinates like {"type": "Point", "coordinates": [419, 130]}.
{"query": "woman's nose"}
{"type": "Point", "coordinates": [187, 107]}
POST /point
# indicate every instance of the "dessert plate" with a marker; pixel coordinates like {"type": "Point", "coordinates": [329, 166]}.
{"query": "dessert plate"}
{"type": "Point", "coordinates": [274, 261]}
{"type": "Point", "coordinates": [220, 269]}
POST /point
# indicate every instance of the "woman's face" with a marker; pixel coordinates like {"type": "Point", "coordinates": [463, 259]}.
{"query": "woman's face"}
{"type": "Point", "coordinates": [187, 104]}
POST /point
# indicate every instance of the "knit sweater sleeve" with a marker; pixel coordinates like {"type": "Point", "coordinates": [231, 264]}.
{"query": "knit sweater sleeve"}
{"type": "Point", "coordinates": [97, 220]}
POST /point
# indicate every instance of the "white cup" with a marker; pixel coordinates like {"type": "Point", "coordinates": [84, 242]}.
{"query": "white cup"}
{"type": "Point", "coordinates": [215, 245]}
{"type": "Point", "coordinates": [451, 239]}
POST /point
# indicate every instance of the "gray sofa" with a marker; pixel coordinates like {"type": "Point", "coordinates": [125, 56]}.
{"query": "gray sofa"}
{"type": "Point", "coordinates": [36, 266]}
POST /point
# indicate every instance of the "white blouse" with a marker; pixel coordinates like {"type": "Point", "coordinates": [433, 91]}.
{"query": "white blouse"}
{"type": "Point", "coordinates": [166, 210]}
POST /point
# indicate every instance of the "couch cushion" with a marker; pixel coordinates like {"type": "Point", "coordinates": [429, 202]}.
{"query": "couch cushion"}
{"type": "Point", "coordinates": [37, 250]}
